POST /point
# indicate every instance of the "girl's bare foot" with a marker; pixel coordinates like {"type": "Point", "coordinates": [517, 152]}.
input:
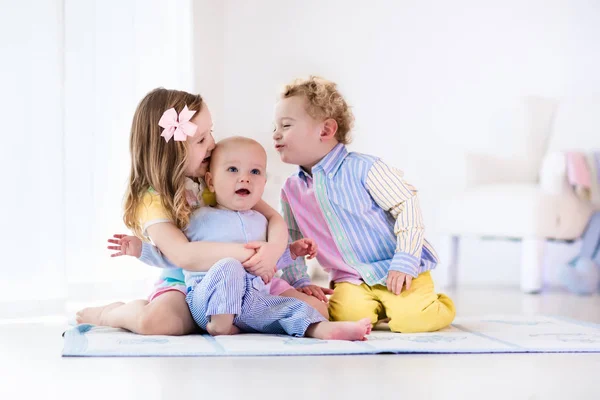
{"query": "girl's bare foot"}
{"type": "Point", "coordinates": [340, 330]}
{"type": "Point", "coordinates": [95, 315]}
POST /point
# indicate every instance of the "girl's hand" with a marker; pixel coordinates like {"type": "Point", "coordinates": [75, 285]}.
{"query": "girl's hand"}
{"type": "Point", "coordinates": [125, 245]}
{"type": "Point", "coordinates": [303, 247]}
{"type": "Point", "coordinates": [264, 262]}
{"type": "Point", "coordinates": [316, 291]}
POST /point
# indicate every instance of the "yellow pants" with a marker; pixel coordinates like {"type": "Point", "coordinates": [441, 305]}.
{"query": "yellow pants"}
{"type": "Point", "coordinates": [419, 309]}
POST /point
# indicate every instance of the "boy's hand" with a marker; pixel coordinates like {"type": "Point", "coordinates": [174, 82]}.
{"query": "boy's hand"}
{"type": "Point", "coordinates": [395, 281]}
{"type": "Point", "coordinates": [303, 247]}
{"type": "Point", "coordinates": [264, 262]}
{"type": "Point", "coordinates": [316, 291]}
{"type": "Point", "coordinates": [125, 245]}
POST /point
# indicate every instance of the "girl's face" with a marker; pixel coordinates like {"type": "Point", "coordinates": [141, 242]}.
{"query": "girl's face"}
{"type": "Point", "coordinates": [200, 145]}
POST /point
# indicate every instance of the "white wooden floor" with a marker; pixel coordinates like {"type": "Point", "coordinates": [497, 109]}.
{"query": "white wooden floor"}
{"type": "Point", "coordinates": [31, 366]}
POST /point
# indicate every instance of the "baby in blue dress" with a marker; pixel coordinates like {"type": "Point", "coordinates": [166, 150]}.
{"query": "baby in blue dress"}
{"type": "Point", "coordinates": [226, 299]}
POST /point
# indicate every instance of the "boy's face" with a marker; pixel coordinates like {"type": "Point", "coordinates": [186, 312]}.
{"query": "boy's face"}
{"type": "Point", "coordinates": [297, 134]}
{"type": "Point", "coordinates": [238, 175]}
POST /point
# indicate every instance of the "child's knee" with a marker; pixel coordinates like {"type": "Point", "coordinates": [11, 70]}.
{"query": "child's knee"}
{"type": "Point", "coordinates": [320, 307]}
{"type": "Point", "coordinates": [310, 300]}
{"type": "Point", "coordinates": [339, 312]}
{"type": "Point", "coordinates": [228, 267]}
{"type": "Point", "coordinates": [159, 321]}
{"type": "Point", "coordinates": [433, 317]}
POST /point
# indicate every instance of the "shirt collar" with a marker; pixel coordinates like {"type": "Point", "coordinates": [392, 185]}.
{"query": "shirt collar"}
{"type": "Point", "coordinates": [330, 163]}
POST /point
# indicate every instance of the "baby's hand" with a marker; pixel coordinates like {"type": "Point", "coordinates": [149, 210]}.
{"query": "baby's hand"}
{"type": "Point", "coordinates": [126, 245]}
{"type": "Point", "coordinates": [303, 247]}
{"type": "Point", "coordinates": [395, 281]}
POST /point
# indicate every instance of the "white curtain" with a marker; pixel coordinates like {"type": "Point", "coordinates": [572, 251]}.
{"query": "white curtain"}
{"type": "Point", "coordinates": [73, 72]}
{"type": "Point", "coordinates": [115, 52]}
{"type": "Point", "coordinates": [31, 153]}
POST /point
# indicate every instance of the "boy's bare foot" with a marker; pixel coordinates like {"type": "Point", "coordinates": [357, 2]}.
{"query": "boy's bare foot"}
{"type": "Point", "coordinates": [95, 315]}
{"type": "Point", "coordinates": [340, 330]}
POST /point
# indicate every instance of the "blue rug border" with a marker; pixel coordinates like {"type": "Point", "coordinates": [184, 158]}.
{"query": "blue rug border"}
{"type": "Point", "coordinates": [75, 344]}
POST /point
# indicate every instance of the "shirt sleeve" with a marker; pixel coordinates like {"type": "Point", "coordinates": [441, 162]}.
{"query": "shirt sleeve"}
{"type": "Point", "coordinates": [389, 190]}
{"type": "Point", "coordinates": [285, 259]}
{"type": "Point", "coordinates": [151, 255]}
{"type": "Point", "coordinates": [296, 273]}
{"type": "Point", "coordinates": [151, 211]}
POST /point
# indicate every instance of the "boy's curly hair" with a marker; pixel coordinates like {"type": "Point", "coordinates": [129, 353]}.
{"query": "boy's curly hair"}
{"type": "Point", "coordinates": [323, 101]}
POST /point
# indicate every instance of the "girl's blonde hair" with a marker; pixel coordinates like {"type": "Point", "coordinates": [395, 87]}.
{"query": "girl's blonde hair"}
{"type": "Point", "coordinates": [156, 164]}
{"type": "Point", "coordinates": [323, 100]}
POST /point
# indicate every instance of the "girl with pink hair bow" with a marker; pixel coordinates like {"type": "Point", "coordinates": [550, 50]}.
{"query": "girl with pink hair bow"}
{"type": "Point", "coordinates": [170, 143]}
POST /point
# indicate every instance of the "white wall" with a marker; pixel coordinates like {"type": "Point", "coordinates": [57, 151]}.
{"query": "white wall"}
{"type": "Point", "coordinates": [208, 42]}
{"type": "Point", "coordinates": [428, 80]}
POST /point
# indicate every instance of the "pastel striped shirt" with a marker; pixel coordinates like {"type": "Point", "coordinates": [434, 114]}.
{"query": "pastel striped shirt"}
{"type": "Point", "coordinates": [369, 212]}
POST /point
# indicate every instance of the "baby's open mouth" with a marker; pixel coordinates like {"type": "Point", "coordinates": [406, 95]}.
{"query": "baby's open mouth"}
{"type": "Point", "coordinates": [242, 192]}
{"type": "Point", "coordinates": [207, 159]}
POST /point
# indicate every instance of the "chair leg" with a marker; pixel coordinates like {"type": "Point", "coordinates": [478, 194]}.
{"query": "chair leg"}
{"type": "Point", "coordinates": [451, 253]}
{"type": "Point", "coordinates": [532, 259]}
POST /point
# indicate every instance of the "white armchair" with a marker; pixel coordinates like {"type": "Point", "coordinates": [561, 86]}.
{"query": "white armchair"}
{"type": "Point", "coordinates": [528, 197]}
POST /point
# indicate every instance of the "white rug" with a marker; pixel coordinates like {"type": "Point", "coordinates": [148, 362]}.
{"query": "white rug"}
{"type": "Point", "coordinates": [503, 334]}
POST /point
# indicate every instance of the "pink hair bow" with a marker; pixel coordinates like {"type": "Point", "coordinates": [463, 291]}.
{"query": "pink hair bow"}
{"type": "Point", "coordinates": [178, 126]}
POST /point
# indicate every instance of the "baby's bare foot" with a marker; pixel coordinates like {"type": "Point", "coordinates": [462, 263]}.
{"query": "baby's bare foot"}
{"type": "Point", "coordinates": [340, 330]}
{"type": "Point", "coordinates": [95, 315]}
{"type": "Point", "coordinates": [222, 324]}
{"type": "Point", "coordinates": [215, 329]}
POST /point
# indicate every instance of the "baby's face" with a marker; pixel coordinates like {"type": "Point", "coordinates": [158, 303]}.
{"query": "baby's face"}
{"type": "Point", "coordinates": [238, 175]}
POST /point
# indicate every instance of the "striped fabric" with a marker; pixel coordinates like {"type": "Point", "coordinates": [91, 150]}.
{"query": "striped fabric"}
{"type": "Point", "coordinates": [227, 289]}
{"type": "Point", "coordinates": [317, 229]}
{"type": "Point", "coordinates": [369, 211]}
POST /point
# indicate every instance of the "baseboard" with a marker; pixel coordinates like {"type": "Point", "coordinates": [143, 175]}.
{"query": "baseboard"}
{"type": "Point", "coordinates": [32, 308]}
{"type": "Point", "coordinates": [101, 291]}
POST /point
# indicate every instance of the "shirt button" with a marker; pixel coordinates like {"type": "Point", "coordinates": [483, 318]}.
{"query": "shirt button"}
{"type": "Point", "coordinates": [330, 175]}
{"type": "Point", "coordinates": [339, 237]}
{"type": "Point", "coordinates": [329, 213]}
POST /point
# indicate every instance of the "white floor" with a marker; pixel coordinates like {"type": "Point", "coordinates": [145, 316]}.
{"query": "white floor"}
{"type": "Point", "coordinates": [31, 366]}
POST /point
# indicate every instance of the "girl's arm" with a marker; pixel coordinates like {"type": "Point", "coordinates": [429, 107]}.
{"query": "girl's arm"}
{"type": "Point", "coordinates": [200, 256]}
{"type": "Point", "coordinates": [277, 232]}
{"type": "Point", "coordinates": [193, 256]}
{"type": "Point", "coordinates": [267, 254]}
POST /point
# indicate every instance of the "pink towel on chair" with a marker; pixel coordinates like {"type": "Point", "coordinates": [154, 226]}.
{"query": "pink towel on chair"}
{"type": "Point", "coordinates": [578, 170]}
